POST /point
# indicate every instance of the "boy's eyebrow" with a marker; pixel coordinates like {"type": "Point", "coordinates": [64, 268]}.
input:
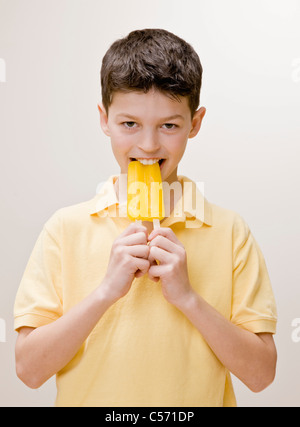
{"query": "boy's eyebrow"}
{"type": "Point", "coordinates": [175, 116]}
{"type": "Point", "coordinates": [166, 119]}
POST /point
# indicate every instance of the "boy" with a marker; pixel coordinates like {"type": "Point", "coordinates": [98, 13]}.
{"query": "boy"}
{"type": "Point", "coordinates": [129, 316]}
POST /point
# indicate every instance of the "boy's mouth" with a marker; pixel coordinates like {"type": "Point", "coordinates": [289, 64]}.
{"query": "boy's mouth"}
{"type": "Point", "coordinates": [146, 161]}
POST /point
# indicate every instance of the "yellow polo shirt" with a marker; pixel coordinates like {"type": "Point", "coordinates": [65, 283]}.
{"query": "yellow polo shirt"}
{"type": "Point", "coordinates": [143, 351]}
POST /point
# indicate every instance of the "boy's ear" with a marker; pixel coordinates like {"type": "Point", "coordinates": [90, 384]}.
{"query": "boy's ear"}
{"type": "Point", "coordinates": [196, 122]}
{"type": "Point", "coordinates": [103, 119]}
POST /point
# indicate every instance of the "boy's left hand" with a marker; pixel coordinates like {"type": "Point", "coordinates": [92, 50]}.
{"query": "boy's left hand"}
{"type": "Point", "coordinates": [172, 268]}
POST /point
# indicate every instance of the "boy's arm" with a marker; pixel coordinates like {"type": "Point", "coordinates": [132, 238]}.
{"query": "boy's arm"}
{"type": "Point", "coordinates": [42, 352]}
{"type": "Point", "coordinates": [250, 357]}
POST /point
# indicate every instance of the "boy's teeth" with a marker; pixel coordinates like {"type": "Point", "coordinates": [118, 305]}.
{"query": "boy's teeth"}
{"type": "Point", "coordinates": [148, 161]}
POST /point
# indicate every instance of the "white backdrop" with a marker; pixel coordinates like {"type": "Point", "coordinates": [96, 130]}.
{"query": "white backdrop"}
{"type": "Point", "coordinates": [53, 153]}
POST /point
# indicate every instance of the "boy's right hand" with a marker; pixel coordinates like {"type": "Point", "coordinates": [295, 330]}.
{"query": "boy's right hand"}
{"type": "Point", "coordinates": [128, 259]}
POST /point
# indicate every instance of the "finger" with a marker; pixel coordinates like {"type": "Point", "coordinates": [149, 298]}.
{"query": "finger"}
{"type": "Point", "coordinates": [138, 274]}
{"type": "Point", "coordinates": [165, 232]}
{"type": "Point", "coordinates": [133, 228]}
{"type": "Point", "coordinates": [139, 251]}
{"type": "Point", "coordinates": [151, 259]}
{"type": "Point", "coordinates": [164, 243]}
{"type": "Point", "coordinates": [138, 238]}
{"type": "Point", "coordinates": [155, 272]}
{"type": "Point", "coordinates": [160, 255]}
{"type": "Point", "coordinates": [142, 265]}
{"type": "Point", "coordinates": [154, 279]}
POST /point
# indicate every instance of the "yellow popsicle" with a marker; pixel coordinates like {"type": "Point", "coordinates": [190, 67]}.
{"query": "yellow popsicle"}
{"type": "Point", "coordinates": [144, 192]}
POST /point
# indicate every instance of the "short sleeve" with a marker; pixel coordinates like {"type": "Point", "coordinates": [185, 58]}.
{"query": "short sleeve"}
{"type": "Point", "coordinates": [39, 297]}
{"type": "Point", "coordinates": [253, 302]}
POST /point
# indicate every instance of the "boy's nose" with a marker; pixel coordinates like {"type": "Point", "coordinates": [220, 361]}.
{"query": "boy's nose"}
{"type": "Point", "coordinates": [149, 142]}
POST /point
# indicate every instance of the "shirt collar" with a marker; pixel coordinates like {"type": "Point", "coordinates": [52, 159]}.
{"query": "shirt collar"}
{"type": "Point", "coordinates": [191, 208]}
{"type": "Point", "coordinates": [106, 196]}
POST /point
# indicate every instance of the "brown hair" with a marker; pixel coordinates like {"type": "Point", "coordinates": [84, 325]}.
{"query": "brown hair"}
{"type": "Point", "coordinates": [152, 58]}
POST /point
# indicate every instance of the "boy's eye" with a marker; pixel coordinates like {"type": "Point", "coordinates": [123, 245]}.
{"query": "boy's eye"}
{"type": "Point", "coordinates": [129, 125]}
{"type": "Point", "coordinates": [169, 126]}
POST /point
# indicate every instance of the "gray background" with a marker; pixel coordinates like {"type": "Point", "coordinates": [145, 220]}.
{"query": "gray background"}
{"type": "Point", "coordinates": [53, 152]}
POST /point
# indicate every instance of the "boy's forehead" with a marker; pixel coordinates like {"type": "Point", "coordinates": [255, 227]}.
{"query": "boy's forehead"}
{"type": "Point", "coordinates": [153, 102]}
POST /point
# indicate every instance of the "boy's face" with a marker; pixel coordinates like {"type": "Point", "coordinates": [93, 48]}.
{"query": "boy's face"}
{"type": "Point", "coordinates": [150, 126]}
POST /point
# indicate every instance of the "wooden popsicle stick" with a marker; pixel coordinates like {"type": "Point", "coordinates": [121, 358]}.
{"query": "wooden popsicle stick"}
{"type": "Point", "coordinates": [156, 224]}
